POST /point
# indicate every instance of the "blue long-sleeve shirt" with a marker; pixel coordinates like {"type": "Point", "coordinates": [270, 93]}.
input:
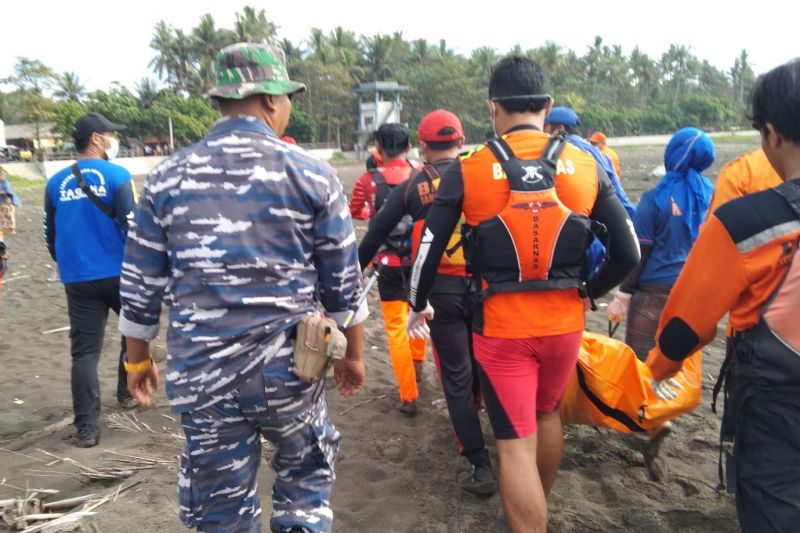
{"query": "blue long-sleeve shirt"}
{"type": "Point", "coordinates": [241, 235]}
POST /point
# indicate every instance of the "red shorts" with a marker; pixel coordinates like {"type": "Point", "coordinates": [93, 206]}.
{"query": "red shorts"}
{"type": "Point", "coordinates": [521, 377]}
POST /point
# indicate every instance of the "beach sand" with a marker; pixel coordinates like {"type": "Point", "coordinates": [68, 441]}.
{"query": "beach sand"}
{"type": "Point", "coordinates": [394, 473]}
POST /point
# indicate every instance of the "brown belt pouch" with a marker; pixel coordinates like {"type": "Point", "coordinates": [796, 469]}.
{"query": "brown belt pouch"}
{"type": "Point", "coordinates": [318, 343]}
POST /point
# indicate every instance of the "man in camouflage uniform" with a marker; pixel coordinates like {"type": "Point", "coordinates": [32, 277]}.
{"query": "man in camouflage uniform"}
{"type": "Point", "coordinates": [246, 234]}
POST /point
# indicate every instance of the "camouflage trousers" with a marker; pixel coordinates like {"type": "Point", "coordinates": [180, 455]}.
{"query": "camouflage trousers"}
{"type": "Point", "coordinates": [217, 487]}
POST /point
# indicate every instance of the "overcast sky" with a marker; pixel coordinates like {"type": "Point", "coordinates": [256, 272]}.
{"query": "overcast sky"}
{"type": "Point", "coordinates": [109, 41]}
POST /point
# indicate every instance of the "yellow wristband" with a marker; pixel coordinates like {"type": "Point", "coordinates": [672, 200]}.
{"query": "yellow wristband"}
{"type": "Point", "coordinates": [137, 367]}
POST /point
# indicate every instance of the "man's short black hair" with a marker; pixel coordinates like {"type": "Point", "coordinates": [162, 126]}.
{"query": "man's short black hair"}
{"type": "Point", "coordinates": [442, 146]}
{"type": "Point", "coordinates": [775, 99]}
{"type": "Point", "coordinates": [82, 144]}
{"type": "Point", "coordinates": [516, 76]}
{"type": "Point", "coordinates": [392, 138]}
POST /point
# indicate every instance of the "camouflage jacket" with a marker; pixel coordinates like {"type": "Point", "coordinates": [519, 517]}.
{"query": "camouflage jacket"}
{"type": "Point", "coordinates": [240, 235]}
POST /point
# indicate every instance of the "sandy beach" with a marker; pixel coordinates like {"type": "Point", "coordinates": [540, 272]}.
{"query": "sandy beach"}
{"type": "Point", "coordinates": [395, 474]}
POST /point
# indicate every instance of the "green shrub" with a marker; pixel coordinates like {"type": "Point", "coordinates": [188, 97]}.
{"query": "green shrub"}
{"type": "Point", "coordinates": [338, 157]}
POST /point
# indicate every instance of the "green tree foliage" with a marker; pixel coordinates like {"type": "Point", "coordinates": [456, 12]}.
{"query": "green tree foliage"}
{"type": "Point", "coordinates": [67, 112]}
{"type": "Point", "coordinates": [622, 94]}
{"type": "Point", "coordinates": [33, 78]}
{"type": "Point", "coordinates": [302, 127]}
{"type": "Point", "coordinates": [619, 93]}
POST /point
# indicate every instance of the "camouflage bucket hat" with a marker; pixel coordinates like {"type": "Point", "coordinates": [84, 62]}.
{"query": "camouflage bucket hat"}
{"type": "Point", "coordinates": [244, 69]}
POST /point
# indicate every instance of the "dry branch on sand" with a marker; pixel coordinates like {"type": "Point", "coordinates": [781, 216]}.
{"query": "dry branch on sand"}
{"type": "Point", "coordinates": [119, 467]}
{"type": "Point", "coordinates": [127, 422]}
{"type": "Point", "coordinates": [32, 515]}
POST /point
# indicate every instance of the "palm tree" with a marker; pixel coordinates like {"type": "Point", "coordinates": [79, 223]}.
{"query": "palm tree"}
{"type": "Point", "coordinates": [207, 41]}
{"type": "Point", "coordinates": [643, 73]}
{"type": "Point", "coordinates": [318, 46]}
{"type": "Point", "coordinates": [163, 42]}
{"type": "Point", "coordinates": [420, 50]}
{"type": "Point", "coordinates": [292, 52]}
{"type": "Point", "coordinates": [252, 26]}
{"type": "Point", "coordinates": [482, 61]}
{"type": "Point", "coordinates": [376, 51]}
{"type": "Point", "coordinates": [444, 50]}
{"type": "Point", "coordinates": [345, 46]}
{"type": "Point", "coordinates": [69, 88]}
{"type": "Point", "coordinates": [146, 92]}
{"type": "Point", "coordinates": [679, 67]}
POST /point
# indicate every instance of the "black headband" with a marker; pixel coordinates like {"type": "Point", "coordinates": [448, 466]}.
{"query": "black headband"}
{"type": "Point", "coordinates": [532, 98]}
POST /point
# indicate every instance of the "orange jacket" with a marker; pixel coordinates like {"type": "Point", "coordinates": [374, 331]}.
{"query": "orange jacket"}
{"type": "Point", "coordinates": [748, 173]}
{"type": "Point", "coordinates": [739, 258]}
{"type": "Point", "coordinates": [612, 155]}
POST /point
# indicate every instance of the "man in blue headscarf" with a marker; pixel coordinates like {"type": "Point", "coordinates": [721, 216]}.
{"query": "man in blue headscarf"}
{"type": "Point", "coordinates": [667, 222]}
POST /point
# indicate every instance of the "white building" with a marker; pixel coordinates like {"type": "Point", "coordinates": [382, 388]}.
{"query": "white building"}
{"type": "Point", "coordinates": [378, 103]}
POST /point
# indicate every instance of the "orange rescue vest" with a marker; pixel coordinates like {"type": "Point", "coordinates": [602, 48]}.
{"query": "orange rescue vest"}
{"type": "Point", "coordinates": [453, 262]}
{"type": "Point", "coordinates": [535, 243]}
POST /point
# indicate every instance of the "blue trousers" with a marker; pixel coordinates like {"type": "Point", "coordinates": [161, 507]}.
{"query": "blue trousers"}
{"type": "Point", "coordinates": [217, 487]}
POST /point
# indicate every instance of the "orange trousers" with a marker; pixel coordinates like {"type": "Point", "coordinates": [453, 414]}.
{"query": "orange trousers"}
{"type": "Point", "coordinates": [402, 350]}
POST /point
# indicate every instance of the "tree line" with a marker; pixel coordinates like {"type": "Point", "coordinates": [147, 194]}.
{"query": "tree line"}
{"type": "Point", "coordinates": [621, 94]}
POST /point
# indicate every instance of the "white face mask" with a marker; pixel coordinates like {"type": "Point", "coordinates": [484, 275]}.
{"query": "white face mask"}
{"type": "Point", "coordinates": [113, 150]}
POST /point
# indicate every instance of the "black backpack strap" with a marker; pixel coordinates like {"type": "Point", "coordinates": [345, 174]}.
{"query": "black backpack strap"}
{"type": "Point", "coordinates": [790, 191]}
{"type": "Point", "coordinates": [426, 171]}
{"type": "Point", "coordinates": [102, 206]}
{"type": "Point", "coordinates": [514, 169]}
{"type": "Point", "coordinates": [554, 148]}
{"type": "Point", "coordinates": [508, 160]}
{"type": "Point", "coordinates": [382, 188]}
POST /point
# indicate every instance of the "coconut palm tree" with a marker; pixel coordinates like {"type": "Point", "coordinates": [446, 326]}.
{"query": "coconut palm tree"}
{"type": "Point", "coordinates": [146, 92]}
{"type": "Point", "coordinates": [253, 26]}
{"type": "Point", "coordinates": [207, 41]}
{"type": "Point", "coordinates": [376, 51]}
{"type": "Point", "coordinates": [481, 62]}
{"type": "Point", "coordinates": [318, 46]}
{"type": "Point", "coordinates": [69, 88]}
{"type": "Point", "coordinates": [163, 64]}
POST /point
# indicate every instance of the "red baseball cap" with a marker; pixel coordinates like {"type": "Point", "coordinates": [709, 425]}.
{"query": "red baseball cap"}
{"type": "Point", "coordinates": [440, 126]}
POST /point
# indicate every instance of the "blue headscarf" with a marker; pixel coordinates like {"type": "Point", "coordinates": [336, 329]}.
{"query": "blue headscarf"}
{"type": "Point", "coordinates": [689, 152]}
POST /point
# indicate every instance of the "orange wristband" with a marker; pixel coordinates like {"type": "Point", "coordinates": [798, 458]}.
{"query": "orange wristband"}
{"type": "Point", "coordinates": [134, 368]}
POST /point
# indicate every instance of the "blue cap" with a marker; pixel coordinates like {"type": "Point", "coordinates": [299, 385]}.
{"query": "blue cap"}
{"type": "Point", "coordinates": [563, 115]}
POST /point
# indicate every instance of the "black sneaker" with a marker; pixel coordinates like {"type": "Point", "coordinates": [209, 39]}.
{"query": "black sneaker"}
{"type": "Point", "coordinates": [407, 408]}
{"type": "Point", "coordinates": [86, 438]}
{"type": "Point", "coordinates": [480, 481]}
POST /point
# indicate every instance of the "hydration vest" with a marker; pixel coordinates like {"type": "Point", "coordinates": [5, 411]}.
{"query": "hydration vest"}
{"type": "Point", "coordinates": [398, 241]}
{"type": "Point", "coordinates": [453, 262]}
{"type": "Point", "coordinates": [535, 243]}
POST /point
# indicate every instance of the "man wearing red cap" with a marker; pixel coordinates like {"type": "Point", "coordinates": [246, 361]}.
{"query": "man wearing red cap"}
{"type": "Point", "coordinates": [598, 139]}
{"type": "Point", "coordinates": [441, 138]}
